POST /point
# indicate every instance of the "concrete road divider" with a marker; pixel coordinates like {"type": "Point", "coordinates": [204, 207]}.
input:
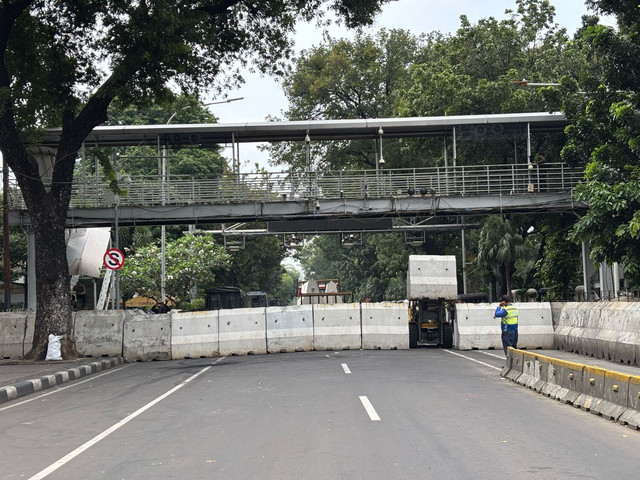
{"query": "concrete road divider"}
{"type": "Point", "coordinates": [16, 333]}
{"type": "Point", "coordinates": [631, 416]}
{"type": "Point", "coordinates": [591, 388]}
{"type": "Point", "coordinates": [99, 333]}
{"type": "Point", "coordinates": [242, 331]}
{"type": "Point", "coordinates": [610, 394]}
{"type": "Point", "coordinates": [289, 329]}
{"type": "Point", "coordinates": [476, 327]}
{"type": "Point", "coordinates": [147, 337]}
{"type": "Point", "coordinates": [194, 334]}
{"type": "Point", "coordinates": [337, 327]}
{"type": "Point", "coordinates": [615, 397]}
{"type": "Point", "coordinates": [607, 330]}
{"type": "Point", "coordinates": [385, 326]}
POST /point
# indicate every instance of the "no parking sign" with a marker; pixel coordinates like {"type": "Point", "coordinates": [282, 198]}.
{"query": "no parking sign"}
{"type": "Point", "coordinates": [113, 259]}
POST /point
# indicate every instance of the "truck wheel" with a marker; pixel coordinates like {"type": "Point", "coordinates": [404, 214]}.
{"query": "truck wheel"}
{"type": "Point", "coordinates": [413, 335]}
{"type": "Point", "coordinates": [447, 335]}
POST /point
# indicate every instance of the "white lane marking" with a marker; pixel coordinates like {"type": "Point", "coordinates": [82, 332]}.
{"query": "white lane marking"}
{"type": "Point", "coordinates": [473, 360]}
{"type": "Point", "coordinates": [57, 389]}
{"type": "Point", "coordinates": [373, 415]}
{"type": "Point", "coordinates": [501, 357]}
{"type": "Point", "coordinates": [345, 368]}
{"type": "Point", "coordinates": [67, 458]}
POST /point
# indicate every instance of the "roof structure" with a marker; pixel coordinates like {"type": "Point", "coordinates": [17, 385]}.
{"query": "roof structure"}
{"type": "Point", "coordinates": [219, 133]}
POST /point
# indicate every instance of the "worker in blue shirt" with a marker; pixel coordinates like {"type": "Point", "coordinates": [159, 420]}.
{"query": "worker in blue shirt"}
{"type": "Point", "coordinates": [509, 315]}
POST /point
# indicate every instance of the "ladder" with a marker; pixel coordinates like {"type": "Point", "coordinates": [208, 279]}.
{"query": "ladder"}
{"type": "Point", "coordinates": [104, 291]}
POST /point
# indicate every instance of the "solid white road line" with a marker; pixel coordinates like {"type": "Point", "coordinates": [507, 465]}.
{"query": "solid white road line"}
{"type": "Point", "coordinates": [501, 357]}
{"type": "Point", "coordinates": [57, 389]}
{"type": "Point", "coordinates": [369, 408]}
{"type": "Point", "coordinates": [473, 360]}
{"type": "Point", "coordinates": [67, 458]}
{"type": "Point", "coordinates": [345, 368]}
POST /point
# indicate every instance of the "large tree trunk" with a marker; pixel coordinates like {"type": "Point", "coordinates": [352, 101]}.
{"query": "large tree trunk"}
{"type": "Point", "coordinates": [47, 197]}
{"type": "Point", "coordinates": [53, 304]}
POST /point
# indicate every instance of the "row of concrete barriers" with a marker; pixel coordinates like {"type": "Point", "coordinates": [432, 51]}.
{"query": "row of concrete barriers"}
{"type": "Point", "coordinates": [608, 330]}
{"type": "Point", "coordinates": [142, 337]}
{"type": "Point", "coordinates": [610, 394]}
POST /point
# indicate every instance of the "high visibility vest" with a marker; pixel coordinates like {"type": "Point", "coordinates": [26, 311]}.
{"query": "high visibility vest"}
{"type": "Point", "coordinates": [512, 315]}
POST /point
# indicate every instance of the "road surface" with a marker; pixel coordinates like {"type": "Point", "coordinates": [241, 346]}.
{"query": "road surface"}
{"type": "Point", "coordinates": [424, 413]}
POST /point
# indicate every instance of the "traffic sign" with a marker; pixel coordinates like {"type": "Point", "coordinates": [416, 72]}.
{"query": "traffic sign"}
{"type": "Point", "coordinates": [113, 259]}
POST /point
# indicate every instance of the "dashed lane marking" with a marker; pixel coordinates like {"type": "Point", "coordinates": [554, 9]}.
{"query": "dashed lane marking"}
{"type": "Point", "coordinates": [373, 415]}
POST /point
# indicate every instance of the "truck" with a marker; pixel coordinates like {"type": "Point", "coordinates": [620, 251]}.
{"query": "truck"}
{"type": "Point", "coordinates": [432, 290]}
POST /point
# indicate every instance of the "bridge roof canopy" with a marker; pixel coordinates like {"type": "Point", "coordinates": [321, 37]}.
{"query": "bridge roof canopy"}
{"type": "Point", "coordinates": [217, 133]}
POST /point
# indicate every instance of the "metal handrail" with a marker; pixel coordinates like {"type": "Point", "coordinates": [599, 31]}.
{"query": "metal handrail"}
{"type": "Point", "coordinates": [480, 180]}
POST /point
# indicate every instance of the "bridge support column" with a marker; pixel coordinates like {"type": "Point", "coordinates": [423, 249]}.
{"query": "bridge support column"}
{"type": "Point", "coordinates": [31, 270]}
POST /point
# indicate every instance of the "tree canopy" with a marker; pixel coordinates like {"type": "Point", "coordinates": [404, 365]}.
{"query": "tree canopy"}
{"type": "Point", "coordinates": [63, 63]}
{"type": "Point", "coordinates": [603, 106]}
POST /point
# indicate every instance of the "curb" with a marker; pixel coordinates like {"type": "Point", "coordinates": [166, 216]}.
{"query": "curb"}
{"type": "Point", "coordinates": [20, 389]}
{"type": "Point", "coordinates": [604, 392]}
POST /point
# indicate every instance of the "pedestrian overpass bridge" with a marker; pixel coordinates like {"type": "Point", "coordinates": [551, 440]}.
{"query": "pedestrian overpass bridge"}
{"type": "Point", "coordinates": [310, 201]}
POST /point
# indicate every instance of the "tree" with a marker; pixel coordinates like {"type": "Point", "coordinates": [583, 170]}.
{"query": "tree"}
{"type": "Point", "coordinates": [64, 63]}
{"type": "Point", "coordinates": [194, 261]}
{"type": "Point", "coordinates": [605, 130]}
{"type": "Point", "coordinates": [499, 247]}
{"type": "Point", "coordinates": [342, 79]}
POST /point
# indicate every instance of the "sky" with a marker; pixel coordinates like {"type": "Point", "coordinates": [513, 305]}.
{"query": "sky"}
{"type": "Point", "coordinates": [263, 96]}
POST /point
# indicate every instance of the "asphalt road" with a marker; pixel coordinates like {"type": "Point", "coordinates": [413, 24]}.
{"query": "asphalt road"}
{"type": "Point", "coordinates": [426, 413]}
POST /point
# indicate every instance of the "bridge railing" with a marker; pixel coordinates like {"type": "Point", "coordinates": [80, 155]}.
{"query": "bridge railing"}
{"type": "Point", "coordinates": [280, 186]}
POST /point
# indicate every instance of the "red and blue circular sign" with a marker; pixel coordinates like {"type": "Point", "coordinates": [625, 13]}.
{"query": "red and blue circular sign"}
{"type": "Point", "coordinates": [113, 259]}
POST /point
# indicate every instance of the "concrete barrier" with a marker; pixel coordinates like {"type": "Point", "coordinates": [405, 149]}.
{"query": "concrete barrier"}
{"type": "Point", "coordinates": [607, 330]}
{"type": "Point", "coordinates": [612, 395]}
{"type": "Point", "coordinates": [631, 415]}
{"type": "Point", "coordinates": [194, 334]}
{"type": "Point", "coordinates": [99, 333]}
{"type": "Point", "coordinates": [532, 372]}
{"type": "Point", "coordinates": [591, 388]}
{"type": "Point", "coordinates": [16, 334]}
{"type": "Point", "coordinates": [337, 327]}
{"type": "Point", "coordinates": [615, 397]}
{"type": "Point", "coordinates": [289, 329]}
{"type": "Point", "coordinates": [147, 337]}
{"type": "Point", "coordinates": [242, 331]}
{"type": "Point", "coordinates": [515, 362]}
{"type": "Point", "coordinates": [385, 326]}
{"type": "Point", "coordinates": [476, 327]}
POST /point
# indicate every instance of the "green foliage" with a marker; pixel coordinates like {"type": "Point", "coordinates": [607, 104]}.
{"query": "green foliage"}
{"type": "Point", "coordinates": [377, 269]}
{"type": "Point", "coordinates": [604, 133]}
{"type": "Point", "coordinates": [500, 246]}
{"type": "Point", "coordinates": [560, 268]}
{"type": "Point", "coordinates": [287, 289]}
{"type": "Point", "coordinates": [190, 260]}
{"type": "Point", "coordinates": [257, 266]}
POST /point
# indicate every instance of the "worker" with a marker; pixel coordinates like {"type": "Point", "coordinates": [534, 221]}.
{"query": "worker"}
{"type": "Point", "coordinates": [509, 315]}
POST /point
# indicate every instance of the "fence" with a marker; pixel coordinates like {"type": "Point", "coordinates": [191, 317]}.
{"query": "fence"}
{"type": "Point", "coordinates": [278, 186]}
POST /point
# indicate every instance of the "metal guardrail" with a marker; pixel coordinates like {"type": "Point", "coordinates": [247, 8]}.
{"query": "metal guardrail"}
{"type": "Point", "coordinates": [270, 186]}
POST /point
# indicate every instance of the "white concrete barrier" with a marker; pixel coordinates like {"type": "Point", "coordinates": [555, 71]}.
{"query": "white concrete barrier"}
{"type": "Point", "coordinates": [194, 334]}
{"type": "Point", "coordinates": [476, 327]}
{"type": "Point", "coordinates": [16, 334]}
{"type": "Point", "coordinates": [337, 327]}
{"type": "Point", "coordinates": [242, 331]}
{"type": "Point", "coordinates": [385, 326]}
{"type": "Point", "coordinates": [290, 329]}
{"type": "Point", "coordinates": [147, 337]}
{"type": "Point", "coordinates": [98, 333]}
{"type": "Point", "coordinates": [608, 330]}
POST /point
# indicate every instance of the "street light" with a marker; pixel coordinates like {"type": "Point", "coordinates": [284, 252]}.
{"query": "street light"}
{"type": "Point", "coordinates": [163, 182]}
